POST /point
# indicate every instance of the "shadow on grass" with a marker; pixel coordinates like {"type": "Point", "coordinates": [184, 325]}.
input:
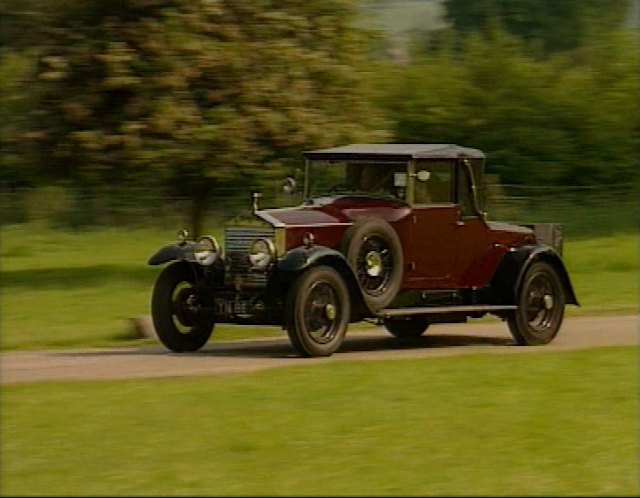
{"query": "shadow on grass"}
{"type": "Point", "coordinates": [67, 278]}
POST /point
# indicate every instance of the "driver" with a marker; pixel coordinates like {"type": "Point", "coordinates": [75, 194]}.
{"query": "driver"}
{"type": "Point", "coordinates": [373, 178]}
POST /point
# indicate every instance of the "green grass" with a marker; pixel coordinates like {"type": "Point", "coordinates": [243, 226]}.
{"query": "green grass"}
{"type": "Point", "coordinates": [557, 424]}
{"type": "Point", "coordinates": [71, 289]}
{"type": "Point", "coordinates": [64, 289]}
{"type": "Point", "coordinates": [604, 273]}
{"type": "Point", "coordinates": [582, 213]}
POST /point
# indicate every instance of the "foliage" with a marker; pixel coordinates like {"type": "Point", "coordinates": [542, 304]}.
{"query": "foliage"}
{"type": "Point", "coordinates": [205, 97]}
{"type": "Point", "coordinates": [26, 24]}
{"type": "Point", "coordinates": [567, 119]}
{"type": "Point", "coordinates": [555, 25]}
{"type": "Point", "coordinates": [195, 95]}
{"type": "Point", "coordinates": [15, 170]}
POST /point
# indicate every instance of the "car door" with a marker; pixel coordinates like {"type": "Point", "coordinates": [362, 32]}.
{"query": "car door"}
{"type": "Point", "coordinates": [472, 242]}
{"type": "Point", "coordinates": [431, 262]}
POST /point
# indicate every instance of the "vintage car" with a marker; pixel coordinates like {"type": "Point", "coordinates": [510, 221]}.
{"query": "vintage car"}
{"type": "Point", "coordinates": [395, 234]}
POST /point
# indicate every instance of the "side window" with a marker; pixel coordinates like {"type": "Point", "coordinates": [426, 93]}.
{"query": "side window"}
{"type": "Point", "coordinates": [433, 182]}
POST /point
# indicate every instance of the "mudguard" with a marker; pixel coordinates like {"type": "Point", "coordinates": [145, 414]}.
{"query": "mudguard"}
{"type": "Point", "coordinates": [302, 258]}
{"type": "Point", "coordinates": [511, 270]}
{"type": "Point", "coordinates": [173, 252]}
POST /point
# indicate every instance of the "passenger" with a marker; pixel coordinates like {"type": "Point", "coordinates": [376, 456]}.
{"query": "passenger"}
{"type": "Point", "coordinates": [422, 195]}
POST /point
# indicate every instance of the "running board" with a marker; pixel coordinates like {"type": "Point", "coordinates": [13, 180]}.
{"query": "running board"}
{"type": "Point", "coordinates": [391, 312]}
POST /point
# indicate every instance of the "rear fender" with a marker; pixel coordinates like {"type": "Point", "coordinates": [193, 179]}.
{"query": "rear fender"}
{"type": "Point", "coordinates": [511, 270]}
{"type": "Point", "coordinates": [173, 252]}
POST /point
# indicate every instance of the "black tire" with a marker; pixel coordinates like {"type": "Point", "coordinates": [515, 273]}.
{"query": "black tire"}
{"type": "Point", "coordinates": [410, 328]}
{"type": "Point", "coordinates": [176, 310]}
{"type": "Point", "coordinates": [541, 302]}
{"type": "Point", "coordinates": [317, 312]}
{"type": "Point", "coordinates": [374, 252]}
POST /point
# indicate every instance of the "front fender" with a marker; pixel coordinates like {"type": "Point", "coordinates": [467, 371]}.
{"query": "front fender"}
{"type": "Point", "coordinates": [511, 270]}
{"type": "Point", "coordinates": [302, 258]}
{"type": "Point", "coordinates": [173, 252]}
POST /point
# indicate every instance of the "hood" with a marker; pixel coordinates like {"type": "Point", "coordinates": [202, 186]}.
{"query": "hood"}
{"type": "Point", "coordinates": [335, 210]}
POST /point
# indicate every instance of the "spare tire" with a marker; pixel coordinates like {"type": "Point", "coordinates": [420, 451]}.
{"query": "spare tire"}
{"type": "Point", "coordinates": [374, 252]}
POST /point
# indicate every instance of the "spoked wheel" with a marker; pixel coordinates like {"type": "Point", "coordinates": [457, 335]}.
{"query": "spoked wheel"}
{"type": "Point", "coordinates": [374, 252]}
{"type": "Point", "coordinates": [177, 309]}
{"type": "Point", "coordinates": [410, 328]}
{"type": "Point", "coordinates": [541, 301]}
{"type": "Point", "coordinates": [318, 312]}
{"type": "Point", "coordinates": [374, 265]}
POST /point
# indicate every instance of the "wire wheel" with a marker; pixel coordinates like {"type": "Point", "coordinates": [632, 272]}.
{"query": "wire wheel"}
{"type": "Point", "coordinates": [374, 252]}
{"type": "Point", "coordinates": [374, 265]}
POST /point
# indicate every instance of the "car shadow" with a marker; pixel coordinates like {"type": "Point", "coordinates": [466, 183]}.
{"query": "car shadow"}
{"type": "Point", "coordinates": [281, 348]}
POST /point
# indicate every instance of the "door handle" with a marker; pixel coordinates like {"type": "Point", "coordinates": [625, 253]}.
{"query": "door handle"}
{"type": "Point", "coordinates": [460, 223]}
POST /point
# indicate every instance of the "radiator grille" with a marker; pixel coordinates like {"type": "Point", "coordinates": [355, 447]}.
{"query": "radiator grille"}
{"type": "Point", "coordinates": [236, 249]}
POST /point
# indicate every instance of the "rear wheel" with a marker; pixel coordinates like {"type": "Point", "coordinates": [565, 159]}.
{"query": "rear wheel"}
{"type": "Point", "coordinates": [410, 328]}
{"type": "Point", "coordinates": [541, 302]}
{"type": "Point", "coordinates": [318, 312]}
{"type": "Point", "coordinates": [178, 311]}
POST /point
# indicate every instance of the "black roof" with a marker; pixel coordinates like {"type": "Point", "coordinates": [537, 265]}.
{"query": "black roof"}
{"type": "Point", "coordinates": [396, 152]}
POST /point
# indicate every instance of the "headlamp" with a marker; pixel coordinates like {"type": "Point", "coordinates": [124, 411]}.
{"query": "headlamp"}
{"type": "Point", "coordinates": [206, 250]}
{"type": "Point", "coordinates": [262, 253]}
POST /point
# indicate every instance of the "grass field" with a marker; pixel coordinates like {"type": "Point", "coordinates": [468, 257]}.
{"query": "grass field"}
{"type": "Point", "coordinates": [557, 424]}
{"type": "Point", "coordinates": [64, 289]}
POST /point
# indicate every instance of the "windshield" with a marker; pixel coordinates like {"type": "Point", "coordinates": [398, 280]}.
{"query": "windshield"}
{"type": "Point", "coordinates": [329, 178]}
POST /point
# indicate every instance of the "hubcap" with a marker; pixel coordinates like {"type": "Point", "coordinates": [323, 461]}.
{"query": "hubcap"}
{"type": "Point", "coordinates": [374, 265]}
{"type": "Point", "coordinates": [185, 307]}
{"type": "Point", "coordinates": [373, 262]}
{"type": "Point", "coordinates": [548, 301]}
{"type": "Point", "coordinates": [330, 311]}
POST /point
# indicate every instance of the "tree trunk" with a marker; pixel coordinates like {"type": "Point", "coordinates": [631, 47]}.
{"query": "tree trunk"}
{"type": "Point", "coordinates": [198, 211]}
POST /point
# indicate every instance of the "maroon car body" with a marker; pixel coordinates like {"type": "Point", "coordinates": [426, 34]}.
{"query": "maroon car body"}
{"type": "Point", "coordinates": [392, 233]}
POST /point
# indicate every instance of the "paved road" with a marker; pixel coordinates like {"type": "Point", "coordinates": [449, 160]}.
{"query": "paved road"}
{"type": "Point", "coordinates": [247, 356]}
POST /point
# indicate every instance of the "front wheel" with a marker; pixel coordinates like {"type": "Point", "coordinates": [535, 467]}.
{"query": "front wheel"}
{"type": "Point", "coordinates": [318, 312]}
{"type": "Point", "coordinates": [540, 306]}
{"type": "Point", "coordinates": [177, 309]}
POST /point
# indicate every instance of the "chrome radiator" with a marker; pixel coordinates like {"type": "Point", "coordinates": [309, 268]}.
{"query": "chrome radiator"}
{"type": "Point", "coordinates": [237, 241]}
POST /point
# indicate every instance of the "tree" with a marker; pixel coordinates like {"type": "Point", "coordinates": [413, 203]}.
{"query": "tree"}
{"type": "Point", "coordinates": [192, 95]}
{"type": "Point", "coordinates": [556, 25]}
{"type": "Point", "coordinates": [571, 119]}
{"type": "Point", "coordinates": [15, 172]}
